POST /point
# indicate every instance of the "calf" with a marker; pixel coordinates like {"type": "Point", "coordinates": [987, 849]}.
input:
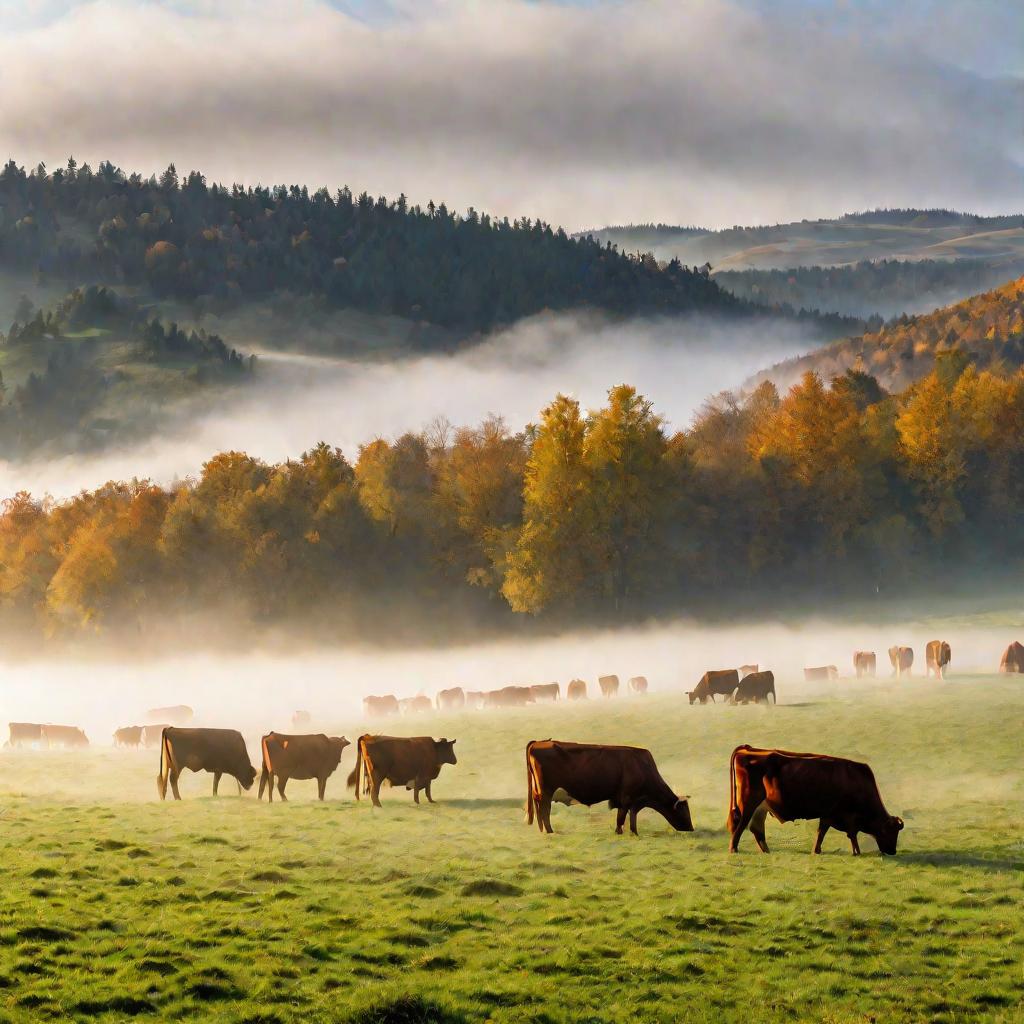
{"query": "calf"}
{"type": "Point", "coordinates": [298, 757]}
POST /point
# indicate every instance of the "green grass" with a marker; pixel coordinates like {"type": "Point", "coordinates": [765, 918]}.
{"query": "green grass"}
{"type": "Point", "coordinates": [115, 907]}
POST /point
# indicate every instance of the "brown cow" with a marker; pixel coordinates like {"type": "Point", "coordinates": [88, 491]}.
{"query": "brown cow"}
{"type": "Point", "coordinates": [301, 719]}
{"type": "Point", "coordinates": [842, 794]}
{"type": "Point", "coordinates": [716, 681]}
{"type": "Point", "coordinates": [298, 757]}
{"type": "Point", "coordinates": [937, 655]}
{"type": "Point", "coordinates": [864, 663]}
{"type": "Point", "coordinates": [67, 737]}
{"type": "Point", "coordinates": [378, 707]}
{"type": "Point", "coordinates": [451, 700]}
{"type": "Point", "coordinates": [589, 773]}
{"type": "Point", "coordinates": [128, 736]}
{"type": "Point", "coordinates": [821, 672]}
{"type": "Point", "coordinates": [411, 762]}
{"type": "Point", "coordinates": [609, 685]}
{"type": "Point", "coordinates": [638, 684]}
{"type": "Point", "coordinates": [508, 697]}
{"type": "Point", "coordinates": [902, 660]}
{"type": "Point", "coordinates": [475, 698]}
{"type": "Point", "coordinates": [24, 733]}
{"type": "Point", "coordinates": [1011, 661]}
{"type": "Point", "coordinates": [755, 687]}
{"type": "Point", "coordinates": [152, 735]}
{"type": "Point", "coordinates": [221, 751]}
{"type": "Point", "coordinates": [577, 690]}
{"type": "Point", "coordinates": [415, 705]}
{"type": "Point", "coordinates": [178, 714]}
{"type": "Point", "coordinates": [541, 692]}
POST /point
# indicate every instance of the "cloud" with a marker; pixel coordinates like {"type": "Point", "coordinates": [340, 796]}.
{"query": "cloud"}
{"type": "Point", "coordinates": [583, 114]}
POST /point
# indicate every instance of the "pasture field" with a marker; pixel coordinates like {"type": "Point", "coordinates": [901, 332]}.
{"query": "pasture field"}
{"type": "Point", "coordinates": [115, 906]}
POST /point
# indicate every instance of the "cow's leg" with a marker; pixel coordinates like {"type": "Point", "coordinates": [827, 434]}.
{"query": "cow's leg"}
{"type": "Point", "coordinates": [633, 812]}
{"type": "Point", "coordinates": [426, 789]}
{"type": "Point", "coordinates": [282, 781]}
{"type": "Point", "coordinates": [321, 786]}
{"type": "Point", "coordinates": [216, 781]}
{"type": "Point", "coordinates": [375, 784]}
{"type": "Point", "coordinates": [823, 827]}
{"type": "Point", "coordinates": [172, 777]}
{"type": "Point", "coordinates": [757, 826]}
{"type": "Point", "coordinates": [620, 819]}
{"type": "Point", "coordinates": [416, 791]}
{"type": "Point", "coordinates": [270, 787]}
{"type": "Point", "coordinates": [544, 813]}
{"type": "Point", "coordinates": [855, 846]}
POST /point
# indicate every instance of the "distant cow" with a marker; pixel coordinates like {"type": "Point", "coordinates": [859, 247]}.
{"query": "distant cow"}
{"type": "Point", "coordinates": [747, 670]}
{"type": "Point", "coordinates": [638, 684]}
{"type": "Point", "coordinates": [475, 698]}
{"type": "Point", "coordinates": [177, 714]}
{"type": "Point", "coordinates": [415, 705]}
{"type": "Point", "coordinates": [902, 660]}
{"type": "Point", "coordinates": [1012, 661]}
{"type": "Point", "coordinates": [153, 734]}
{"type": "Point", "coordinates": [411, 762]}
{"type": "Point", "coordinates": [301, 719]}
{"type": "Point", "coordinates": [67, 737]}
{"type": "Point", "coordinates": [378, 707]}
{"type": "Point", "coordinates": [756, 687]}
{"type": "Point", "coordinates": [576, 690]}
{"type": "Point", "coordinates": [937, 655]}
{"type": "Point", "coordinates": [609, 685]}
{"type": "Point", "coordinates": [545, 692]}
{"type": "Point", "coordinates": [722, 682]}
{"type": "Point", "coordinates": [820, 672]}
{"type": "Point", "coordinates": [23, 733]}
{"type": "Point", "coordinates": [298, 757]}
{"type": "Point", "coordinates": [128, 736]}
{"type": "Point", "coordinates": [842, 794]}
{"type": "Point", "coordinates": [864, 663]}
{"type": "Point", "coordinates": [590, 773]}
{"type": "Point", "coordinates": [451, 700]}
{"type": "Point", "coordinates": [508, 697]}
{"type": "Point", "coordinates": [221, 751]}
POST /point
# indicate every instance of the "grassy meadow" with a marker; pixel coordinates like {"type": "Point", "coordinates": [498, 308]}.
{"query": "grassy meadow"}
{"type": "Point", "coordinates": [115, 906]}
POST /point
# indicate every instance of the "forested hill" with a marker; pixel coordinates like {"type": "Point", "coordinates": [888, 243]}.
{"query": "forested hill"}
{"type": "Point", "coordinates": [190, 240]}
{"type": "Point", "coordinates": [987, 329]}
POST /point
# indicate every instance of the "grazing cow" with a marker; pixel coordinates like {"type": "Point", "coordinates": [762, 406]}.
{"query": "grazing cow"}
{"type": "Point", "coordinates": [864, 663]}
{"type": "Point", "coordinates": [937, 655]}
{"type": "Point", "coordinates": [716, 681]}
{"type": "Point", "coordinates": [812, 675]}
{"type": "Point", "coordinates": [1011, 661]}
{"type": "Point", "coordinates": [298, 757]}
{"type": "Point", "coordinates": [67, 737]}
{"type": "Point", "coordinates": [378, 707]}
{"type": "Point", "coordinates": [508, 697]}
{"type": "Point", "coordinates": [411, 762]}
{"type": "Point", "coordinates": [475, 698]}
{"type": "Point", "coordinates": [451, 700]}
{"type": "Point", "coordinates": [541, 692]}
{"type": "Point", "coordinates": [902, 660]}
{"type": "Point", "coordinates": [638, 684]}
{"type": "Point", "coordinates": [178, 714]}
{"type": "Point", "coordinates": [153, 734]}
{"type": "Point", "coordinates": [755, 687]}
{"type": "Point", "coordinates": [128, 736]}
{"type": "Point", "coordinates": [415, 705]}
{"type": "Point", "coordinates": [747, 670]}
{"type": "Point", "coordinates": [589, 773]}
{"type": "Point", "coordinates": [576, 690]}
{"type": "Point", "coordinates": [221, 751]}
{"type": "Point", "coordinates": [23, 733]}
{"type": "Point", "coordinates": [609, 685]}
{"type": "Point", "coordinates": [842, 794]}
{"type": "Point", "coordinates": [301, 719]}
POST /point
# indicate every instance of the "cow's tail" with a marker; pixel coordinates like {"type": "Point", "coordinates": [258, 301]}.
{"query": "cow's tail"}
{"type": "Point", "coordinates": [734, 813]}
{"type": "Point", "coordinates": [353, 778]}
{"type": "Point", "coordinates": [165, 765]}
{"type": "Point", "coordinates": [265, 776]}
{"type": "Point", "coordinates": [529, 787]}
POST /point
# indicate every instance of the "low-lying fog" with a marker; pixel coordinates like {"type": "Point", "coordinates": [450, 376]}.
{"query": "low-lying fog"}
{"type": "Point", "coordinates": [301, 400]}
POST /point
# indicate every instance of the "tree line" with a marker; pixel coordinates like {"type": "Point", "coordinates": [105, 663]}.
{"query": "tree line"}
{"type": "Point", "coordinates": [829, 491]}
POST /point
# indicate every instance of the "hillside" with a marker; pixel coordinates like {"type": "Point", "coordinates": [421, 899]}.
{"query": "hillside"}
{"type": "Point", "coordinates": [988, 329]}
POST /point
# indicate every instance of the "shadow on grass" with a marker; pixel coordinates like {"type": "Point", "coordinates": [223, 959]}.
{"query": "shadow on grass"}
{"type": "Point", "coordinates": [965, 859]}
{"type": "Point", "coordinates": [482, 803]}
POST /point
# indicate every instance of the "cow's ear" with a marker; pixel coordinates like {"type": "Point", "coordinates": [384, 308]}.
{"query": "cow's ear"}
{"type": "Point", "coordinates": [899, 824]}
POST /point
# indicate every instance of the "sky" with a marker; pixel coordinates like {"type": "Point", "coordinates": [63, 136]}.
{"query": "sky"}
{"type": "Point", "coordinates": [583, 113]}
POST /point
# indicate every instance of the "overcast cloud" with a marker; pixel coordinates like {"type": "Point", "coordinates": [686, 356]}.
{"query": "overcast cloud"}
{"type": "Point", "coordinates": [584, 114]}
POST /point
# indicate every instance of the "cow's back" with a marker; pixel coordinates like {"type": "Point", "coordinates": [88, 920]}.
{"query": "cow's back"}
{"type": "Point", "coordinates": [215, 750]}
{"type": "Point", "coordinates": [399, 758]}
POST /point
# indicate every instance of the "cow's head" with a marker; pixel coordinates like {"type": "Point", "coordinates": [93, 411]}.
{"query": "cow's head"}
{"type": "Point", "coordinates": [337, 745]}
{"type": "Point", "coordinates": [445, 751]}
{"type": "Point", "coordinates": [247, 776]}
{"type": "Point", "coordinates": [887, 833]}
{"type": "Point", "coordinates": [692, 694]}
{"type": "Point", "coordinates": [678, 815]}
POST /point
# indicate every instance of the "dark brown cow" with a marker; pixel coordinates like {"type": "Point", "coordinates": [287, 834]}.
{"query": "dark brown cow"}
{"type": "Point", "coordinates": [841, 794]}
{"type": "Point", "coordinates": [152, 735]}
{"type": "Point", "coordinates": [576, 690]}
{"type": "Point", "coordinates": [301, 719]}
{"type": "Point", "coordinates": [820, 672]}
{"type": "Point", "coordinates": [937, 656]}
{"type": "Point", "coordinates": [128, 736]}
{"type": "Point", "coordinates": [378, 707]}
{"type": "Point", "coordinates": [23, 733]}
{"type": "Point", "coordinates": [902, 660]}
{"type": "Point", "coordinates": [1011, 661]}
{"type": "Point", "coordinates": [609, 685]}
{"type": "Point", "coordinates": [451, 700]}
{"type": "Point", "coordinates": [298, 757]}
{"type": "Point", "coordinates": [177, 714]}
{"type": "Point", "coordinates": [864, 663]}
{"type": "Point", "coordinates": [221, 751]}
{"type": "Point", "coordinates": [541, 692]}
{"type": "Point", "coordinates": [411, 762]}
{"type": "Point", "coordinates": [415, 705]}
{"type": "Point", "coordinates": [722, 682]}
{"type": "Point", "coordinates": [590, 773]}
{"type": "Point", "coordinates": [67, 737]}
{"type": "Point", "coordinates": [638, 684]}
{"type": "Point", "coordinates": [508, 697]}
{"type": "Point", "coordinates": [756, 687]}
